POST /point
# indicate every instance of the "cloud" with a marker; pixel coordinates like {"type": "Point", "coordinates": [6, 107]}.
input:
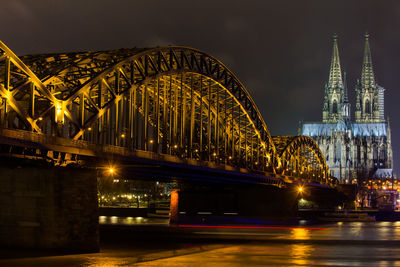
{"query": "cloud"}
{"type": "Point", "coordinates": [17, 11]}
{"type": "Point", "coordinates": [154, 40]}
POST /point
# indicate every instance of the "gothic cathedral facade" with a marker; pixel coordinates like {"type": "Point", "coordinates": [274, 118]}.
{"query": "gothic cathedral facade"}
{"type": "Point", "coordinates": [358, 149]}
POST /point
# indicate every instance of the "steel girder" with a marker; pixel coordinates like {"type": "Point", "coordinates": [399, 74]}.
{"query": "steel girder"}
{"type": "Point", "coordinates": [301, 156]}
{"type": "Point", "coordinates": [170, 100]}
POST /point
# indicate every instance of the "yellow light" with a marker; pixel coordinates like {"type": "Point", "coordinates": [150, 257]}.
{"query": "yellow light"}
{"type": "Point", "coordinates": [230, 157]}
{"type": "Point", "coordinates": [8, 94]}
{"type": "Point", "coordinates": [122, 135]}
{"type": "Point", "coordinates": [59, 112]}
{"type": "Point", "coordinates": [89, 129]}
{"type": "Point", "coordinates": [175, 146]}
{"type": "Point", "coordinates": [300, 189]}
{"type": "Point", "coordinates": [58, 109]}
{"type": "Point", "coordinates": [196, 150]}
{"type": "Point", "coordinates": [151, 141]}
{"type": "Point", "coordinates": [40, 118]}
{"type": "Point", "coordinates": [111, 170]}
{"type": "Point", "coordinates": [214, 154]}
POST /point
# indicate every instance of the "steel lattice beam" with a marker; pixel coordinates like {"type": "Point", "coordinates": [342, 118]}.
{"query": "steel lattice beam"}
{"type": "Point", "coordinates": [169, 100]}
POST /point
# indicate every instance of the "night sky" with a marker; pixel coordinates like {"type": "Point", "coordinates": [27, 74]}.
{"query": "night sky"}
{"type": "Point", "coordinates": [280, 50]}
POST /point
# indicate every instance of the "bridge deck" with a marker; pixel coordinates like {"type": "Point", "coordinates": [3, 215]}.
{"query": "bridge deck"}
{"type": "Point", "coordinates": [139, 162]}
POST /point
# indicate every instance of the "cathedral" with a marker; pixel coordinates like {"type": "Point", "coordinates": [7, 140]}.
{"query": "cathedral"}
{"type": "Point", "coordinates": [355, 149]}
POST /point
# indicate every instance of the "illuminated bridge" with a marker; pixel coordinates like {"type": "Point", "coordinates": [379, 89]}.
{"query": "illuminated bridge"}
{"type": "Point", "coordinates": [174, 101]}
{"type": "Point", "coordinates": [170, 112]}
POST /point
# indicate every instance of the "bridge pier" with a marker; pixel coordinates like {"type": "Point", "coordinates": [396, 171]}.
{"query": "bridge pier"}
{"type": "Point", "coordinates": [48, 207]}
{"type": "Point", "coordinates": [245, 203]}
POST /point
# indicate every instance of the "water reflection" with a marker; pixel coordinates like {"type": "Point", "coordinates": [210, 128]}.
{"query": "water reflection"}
{"type": "Point", "coordinates": [300, 233]}
{"type": "Point", "coordinates": [131, 220]}
{"type": "Point", "coordinates": [299, 253]}
{"type": "Point", "coordinates": [336, 244]}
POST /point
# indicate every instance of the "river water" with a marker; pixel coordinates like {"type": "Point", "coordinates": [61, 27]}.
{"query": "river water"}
{"type": "Point", "coordinates": [154, 243]}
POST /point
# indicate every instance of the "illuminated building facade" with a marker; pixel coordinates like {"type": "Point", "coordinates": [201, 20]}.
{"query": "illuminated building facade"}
{"type": "Point", "coordinates": [359, 148]}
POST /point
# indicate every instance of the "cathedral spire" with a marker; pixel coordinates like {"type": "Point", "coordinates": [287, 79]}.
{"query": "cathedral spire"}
{"type": "Point", "coordinates": [335, 73]}
{"type": "Point", "coordinates": [367, 73]}
{"type": "Point", "coordinates": [345, 96]}
{"type": "Point", "coordinates": [346, 104]}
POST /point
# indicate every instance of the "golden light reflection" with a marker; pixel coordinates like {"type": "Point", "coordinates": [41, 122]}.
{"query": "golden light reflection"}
{"type": "Point", "coordinates": [300, 233]}
{"type": "Point", "coordinates": [102, 219]}
{"type": "Point", "coordinates": [129, 220]}
{"type": "Point", "coordinates": [114, 219]}
{"type": "Point", "coordinates": [300, 254]}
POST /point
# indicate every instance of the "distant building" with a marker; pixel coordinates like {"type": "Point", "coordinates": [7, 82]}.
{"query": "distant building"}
{"type": "Point", "coordinates": [354, 149]}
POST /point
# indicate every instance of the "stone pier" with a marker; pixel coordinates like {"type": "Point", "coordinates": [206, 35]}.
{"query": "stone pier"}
{"type": "Point", "coordinates": [48, 207]}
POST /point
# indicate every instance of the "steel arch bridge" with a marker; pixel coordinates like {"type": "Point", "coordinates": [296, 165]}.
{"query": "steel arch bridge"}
{"type": "Point", "coordinates": [300, 156]}
{"type": "Point", "coordinates": [171, 100]}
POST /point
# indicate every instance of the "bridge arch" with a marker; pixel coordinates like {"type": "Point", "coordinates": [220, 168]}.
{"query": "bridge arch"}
{"type": "Point", "coordinates": [173, 100]}
{"type": "Point", "coordinates": [301, 156]}
{"type": "Point", "coordinates": [169, 100]}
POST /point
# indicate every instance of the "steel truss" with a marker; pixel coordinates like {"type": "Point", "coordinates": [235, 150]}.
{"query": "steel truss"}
{"type": "Point", "coordinates": [300, 156]}
{"type": "Point", "coordinates": [169, 100]}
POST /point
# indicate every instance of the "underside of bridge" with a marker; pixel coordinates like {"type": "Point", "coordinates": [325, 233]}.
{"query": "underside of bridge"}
{"type": "Point", "coordinates": [169, 104]}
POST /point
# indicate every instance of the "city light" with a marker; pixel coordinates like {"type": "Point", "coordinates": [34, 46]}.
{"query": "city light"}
{"type": "Point", "coordinates": [59, 112]}
{"type": "Point", "coordinates": [111, 170]}
{"type": "Point", "coordinates": [300, 189]}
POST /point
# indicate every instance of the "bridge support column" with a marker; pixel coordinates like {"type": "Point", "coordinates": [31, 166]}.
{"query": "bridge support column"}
{"type": "Point", "coordinates": [48, 207]}
{"type": "Point", "coordinates": [240, 204]}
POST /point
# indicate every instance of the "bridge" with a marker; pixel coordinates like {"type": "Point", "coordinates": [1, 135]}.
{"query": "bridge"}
{"type": "Point", "coordinates": [172, 112]}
